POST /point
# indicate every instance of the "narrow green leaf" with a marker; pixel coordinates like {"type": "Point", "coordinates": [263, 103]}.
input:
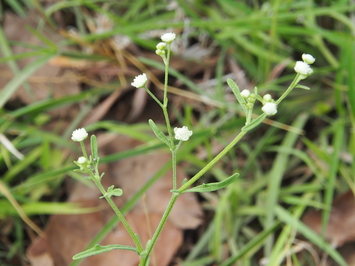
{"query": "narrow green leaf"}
{"type": "Point", "coordinates": [286, 217]}
{"type": "Point", "coordinates": [94, 147]}
{"type": "Point", "coordinates": [213, 186]}
{"type": "Point", "coordinates": [97, 249]}
{"type": "Point", "coordinates": [303, 87]}
{"type": "Point", "coordinates": [235, 89]}
{"type": "Point", "coordinates": [254, 123]}
{"type": "Point", "coordinates": [17, 7]}
{"type": "Point", "coordinates": [160, 135]}
{"type": "Point", "coordinates": [18, 80]}
{"type": "Point", "coordinates": [42, 37]}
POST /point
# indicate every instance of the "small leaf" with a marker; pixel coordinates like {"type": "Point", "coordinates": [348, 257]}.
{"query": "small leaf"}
{"type": "Point", "coordinates": [101, 249]}
{"type": "Point", "coordinates": [111, 191]}
{"type": "Point", "coordinates": [235, 89]}
{"type": "Point", "coordinates": [160, 135]}
{"type": "Point", "coordinates": [254, 123]}
{"type": "Point", "coordinates": [303, 87]}
{"type": "Point", "coordinates": [184, 181]}
{"type": "Point", "coordinates": [213, 186]}
{"type": "Point", "coordinates": [94, 147]}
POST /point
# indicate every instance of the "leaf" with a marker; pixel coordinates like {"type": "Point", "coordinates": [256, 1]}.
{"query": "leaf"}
{"type": "Point", "coordinates": [101, 249]}
{"type": "Point", "coordinates": [20, 78]}
{"type": "Point", "coordinates": [111, 191]}
{"type": "Point", "coordinates": [254, 123]}
{"type": "Point", "coordinates": [303, 87]}
{"type": "Point", "coordinates": [235, 89]}
{"type": "Point", "coordinates": [94, 148]}
{"type": "Point", "coordinates": [160, 135]}
{"type": "Point", "coordinates": [213, 186]}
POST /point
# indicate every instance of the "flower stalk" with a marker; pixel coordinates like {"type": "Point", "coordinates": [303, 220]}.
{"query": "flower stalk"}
{"type": "Point", "coordinates": [89, 164]}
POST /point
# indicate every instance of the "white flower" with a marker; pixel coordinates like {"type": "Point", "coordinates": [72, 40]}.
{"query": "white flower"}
{"type": "Point", "coordinates": [269, 108]}
{"type": "Point", "coordinates": [161, 46]}
{"type": "Point", "coordinates": [303, 68]}
{"type": "Point", "coordinates": [168, 37]}
{"type": "Point", "coordinates": [79, 134]}
{"type": "Point", "coordinates": [309, 59]}
{"type": "Point", "coordinates": [182, 133]}
{"type": "Point", "coordinates": [267, 98]}
{"type": "Point", "coordinates": [81, 160]}
{"type": "Point", "coordinates": [245, 93]}
{"type": "Point", "coordinates": [139, 81]}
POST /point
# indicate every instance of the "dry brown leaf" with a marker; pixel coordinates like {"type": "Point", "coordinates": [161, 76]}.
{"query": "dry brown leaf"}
{"type": "Point", "coordinates": [67, 235]}
{"type": "Point", "coordinates": [340, 228]}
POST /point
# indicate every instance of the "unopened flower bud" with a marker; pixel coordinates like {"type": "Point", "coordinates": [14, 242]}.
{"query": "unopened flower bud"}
{"type": "Point", "coordinates": [245, 94]}
{"type": "Point", "coordinates": [161, 46]}
{"type": "Point", "coordinates": [269, 108]}
{"type": "Point", "coordinates": [267, 98]}
{"type": "Point", "coordinates": [309, 59]}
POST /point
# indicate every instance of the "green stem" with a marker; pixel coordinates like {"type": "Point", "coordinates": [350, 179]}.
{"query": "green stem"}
{"type": "Point", "coordinates": [290, 88]}
{"type": "Point", "coordinates": [118, 213]}
{"type": "Point", "coordinates": [168, 126]}
{"type": "Point", "coordinates": [173, 159]}
{"type": "Point", "coordinates": [213, 162]}
{"type": "Point", "coordinates": [184, 187]}
{"type": "Point", "coordinates": [153, 96]}
{"type": "Point", "coordinates": [159, 228]}
{"type": "Point", "coordinates": [165, 99]}
{"type": "Point", "coordinates": [166, 61]}
{"type": "Point", "coordinates": [248, 117]}
{"type": "Point", "coordinates": [83, 149]}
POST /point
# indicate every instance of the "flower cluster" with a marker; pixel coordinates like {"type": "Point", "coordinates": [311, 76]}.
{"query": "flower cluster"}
{"type": "Point", "coordinates": [79, 134]}
{"type": "Point", "coordinates": [303, 68]}
{"type": "Point", "coordinates": [269, 106]}
{"type": "Point", "coordinates": [167, 38]}
{"type": "Point", "coordinates": [140, 81]}
{"type": "Point", "coordinates": [182, 133]}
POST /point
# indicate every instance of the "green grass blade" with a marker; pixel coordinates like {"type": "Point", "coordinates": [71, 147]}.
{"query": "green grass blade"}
{"type": "Point", "coordinates": [295, 223]}
{"type": "Point", "coordinates": [333, 170]}
{"type": "Point", "coordinates": [275, 178]}
{"type": "Point", "coordinates": [21, 77]}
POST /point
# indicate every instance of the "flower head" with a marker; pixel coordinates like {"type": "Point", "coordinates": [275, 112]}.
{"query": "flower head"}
{"type": "Point", "coordinates": [79, 134]}
{"type": "Point", "coordinates": [168, 37]}
{"type": "Point", "coordinates": [245, 93]}
{"type": "Point", "coordinates": [309, 59]}
{"type": "Point", "coordinates": [269, 108]}
{"type": "Point", "coordinates": [303, 68]}
{"type": "Point", "coordinates": [182, 133]}
{"type": "Point", "coordinates": [140, 81]}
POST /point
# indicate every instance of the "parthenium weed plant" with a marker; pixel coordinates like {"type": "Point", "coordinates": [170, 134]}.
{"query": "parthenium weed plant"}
{"type": "Point", "coordinates": [174, 139]}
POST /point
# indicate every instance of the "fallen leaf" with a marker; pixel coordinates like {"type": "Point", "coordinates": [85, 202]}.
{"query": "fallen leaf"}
{"type": "Point", "coordinates": [340, 228]}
